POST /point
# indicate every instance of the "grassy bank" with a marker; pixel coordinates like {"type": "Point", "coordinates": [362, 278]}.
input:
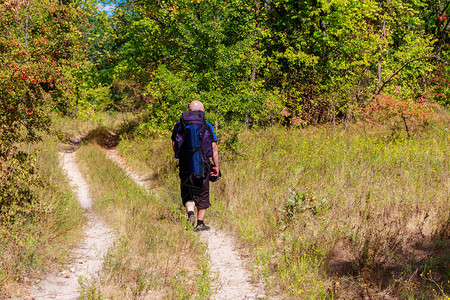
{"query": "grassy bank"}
{"type": "Point", "coordinates": [38, 236]}
{"type": "Point", "coordinates": [341, 212]}
{"type": "Point", "coordinates": [154, 256]}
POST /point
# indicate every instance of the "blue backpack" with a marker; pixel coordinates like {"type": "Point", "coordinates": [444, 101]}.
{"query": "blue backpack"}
{"type": "Point", "coordinates": [193, 142]}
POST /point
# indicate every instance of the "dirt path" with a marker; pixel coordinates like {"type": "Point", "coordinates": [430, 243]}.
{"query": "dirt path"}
{"type": "Point", "coordinates": [230, 279]}
{"type": "Point", "coordinates": [87, 259]}
{"type": "Point", "coordinates": [233, 281]}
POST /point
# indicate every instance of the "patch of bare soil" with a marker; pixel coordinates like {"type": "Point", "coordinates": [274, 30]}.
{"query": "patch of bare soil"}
{"type": "Point", "coordinates": [230, 279]}
{"type": "Point", "coordinates": [113, 155]}
{"type": "Point", "coordinates": [87, 258]}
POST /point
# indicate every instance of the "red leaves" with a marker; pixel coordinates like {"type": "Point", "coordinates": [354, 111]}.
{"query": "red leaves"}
{"type": "Point", "coordinates": [384, 107]}
{"type": "Point", "coordinates": [31, 74]}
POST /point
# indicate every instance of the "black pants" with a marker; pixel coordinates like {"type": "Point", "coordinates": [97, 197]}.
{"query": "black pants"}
{"type": "Point", "coordinates": [196, 190]}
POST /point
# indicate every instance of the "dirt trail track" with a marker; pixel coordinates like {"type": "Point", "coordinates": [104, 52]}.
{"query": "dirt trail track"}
{"type": "Point", "coordinates": [230, 280]}
{"type": "Point", "coordinates": [87, 259]}
{"type": "Point", "coordinates": [233, 280]}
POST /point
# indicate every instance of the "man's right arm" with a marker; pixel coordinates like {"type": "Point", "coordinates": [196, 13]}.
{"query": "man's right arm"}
{"type": "Point", "coordinates": [174, 132]}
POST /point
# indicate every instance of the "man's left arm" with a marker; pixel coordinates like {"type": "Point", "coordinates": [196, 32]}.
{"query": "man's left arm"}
{"type": "Point", "coordinates": [215, 158]}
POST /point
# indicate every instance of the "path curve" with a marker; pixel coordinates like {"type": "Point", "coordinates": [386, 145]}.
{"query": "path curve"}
{"type": "Point", "coordinates": [87, 258]}
{"type": "Point", "coordinates": [231, 281]}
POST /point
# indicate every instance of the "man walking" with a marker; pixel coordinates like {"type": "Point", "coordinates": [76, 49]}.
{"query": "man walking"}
{"type": "Point", "coordinates": [195, 189]}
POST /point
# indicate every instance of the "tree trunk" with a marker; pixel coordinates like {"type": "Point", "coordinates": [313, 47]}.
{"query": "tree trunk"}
{"type": "Point", "coordinates": [257, 33]}
{"type": "Point", "coordinates": [380, 61]}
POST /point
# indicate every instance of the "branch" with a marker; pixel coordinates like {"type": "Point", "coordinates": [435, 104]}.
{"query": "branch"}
{"type": "Point", "coordinates": [399, 70]}
{"type": "Point", "coordinates": [442, 13]}
{"type": "Point", "coordinates": [445, 8]}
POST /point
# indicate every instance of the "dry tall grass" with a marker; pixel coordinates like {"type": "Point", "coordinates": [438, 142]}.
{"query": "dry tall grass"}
{"type": "Point", "coordinates": [342, 212]}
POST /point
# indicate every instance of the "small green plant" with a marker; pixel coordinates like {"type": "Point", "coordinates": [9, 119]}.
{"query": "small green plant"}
{"type": "Point", "coordinates": [87, 289]}
{"type": "Point", "coordinates": [204, 281]}
{"type": "Point", "coordinates": [2, 280]}
{"type": "Point", "coordinates": [298, 202]}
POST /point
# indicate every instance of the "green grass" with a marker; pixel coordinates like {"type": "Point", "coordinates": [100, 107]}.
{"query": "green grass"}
{"type": "Point", "coordinates": [43, 232]}
{"type": "Point", "coordinates": [341, 212]}
{"type": "Point", "coordinates": [153, 256]}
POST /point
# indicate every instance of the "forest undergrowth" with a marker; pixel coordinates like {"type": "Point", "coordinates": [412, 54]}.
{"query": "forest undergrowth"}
{"type": "Point", "coordinates": [336, 212]}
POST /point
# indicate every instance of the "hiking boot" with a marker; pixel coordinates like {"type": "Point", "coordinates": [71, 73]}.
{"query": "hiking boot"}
{"type": "Point", "coordinates": [201, 227]}
{"type": "Point", "coordinates": [191, 220]}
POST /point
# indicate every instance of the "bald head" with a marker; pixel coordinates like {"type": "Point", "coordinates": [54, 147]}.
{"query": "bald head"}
{"type": "Point", "coordinates": [196, 105]}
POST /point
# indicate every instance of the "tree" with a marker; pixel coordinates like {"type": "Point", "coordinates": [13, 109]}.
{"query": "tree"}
{"type": "Point", "coordinates": [179, 51]}
{"type": "Point", "coordinates": [37, 39]}
{"type": "Point", "coordinates": [313, 60]}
